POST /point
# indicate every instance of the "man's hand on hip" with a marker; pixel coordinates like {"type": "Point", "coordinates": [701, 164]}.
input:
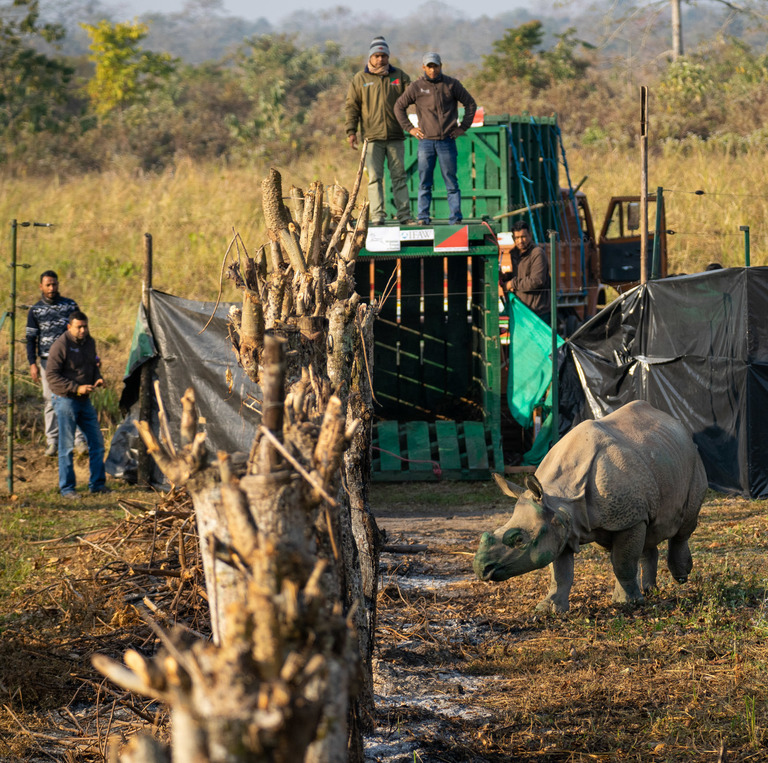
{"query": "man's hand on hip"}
{"type": "Point", "coordinates": [417, 132]}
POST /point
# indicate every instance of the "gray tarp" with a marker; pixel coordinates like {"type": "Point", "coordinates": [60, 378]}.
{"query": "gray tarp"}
{"type": "Point", "coordinates": [183, 357]}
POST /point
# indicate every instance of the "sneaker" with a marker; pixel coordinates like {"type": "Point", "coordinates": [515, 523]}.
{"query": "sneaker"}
{"type": "Point", "coordinates": [409, 221]}
{"type": "Point", "coordinates": [70, 496]}
{"type": "Point", "coordinates": [51, 451]}
{"type": "Point", "coordinates": [378, 223]}
{"type": "Point", "coordinates": [81, 449]}
{"type": "Point", "coordinates": [103, 489]}
{"type": "Point", "coordinates": [422, 221]}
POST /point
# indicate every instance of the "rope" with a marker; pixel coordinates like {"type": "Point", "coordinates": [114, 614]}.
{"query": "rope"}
{"type": "Point", "coordinates": [436, 470]}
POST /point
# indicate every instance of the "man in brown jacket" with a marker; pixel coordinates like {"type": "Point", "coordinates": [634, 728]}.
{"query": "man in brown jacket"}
{"type": "Point", "coordinates": [370, 106]}
{"type": "Point", "coordinates": [436, 98]}
{"type": "Point", "coordinates": [529, 279]}
{"type": "Point", "coordinates": [73, 373]}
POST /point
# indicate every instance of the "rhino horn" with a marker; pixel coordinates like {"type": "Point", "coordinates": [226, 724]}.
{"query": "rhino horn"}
{"type": "Point", "coordinates": [533, 484]}
{"type": "Point", "coordinates": [508, 488]}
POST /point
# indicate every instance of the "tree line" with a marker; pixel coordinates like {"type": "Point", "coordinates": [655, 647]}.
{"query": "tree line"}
{"type": "Point", "coordinates": [272, 93]}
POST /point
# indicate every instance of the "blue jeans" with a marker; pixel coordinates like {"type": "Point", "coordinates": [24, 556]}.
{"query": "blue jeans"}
{"type": "Point", "coordinates": [430, 151]}
{"type": "Point", "coordinates": [74, 412]}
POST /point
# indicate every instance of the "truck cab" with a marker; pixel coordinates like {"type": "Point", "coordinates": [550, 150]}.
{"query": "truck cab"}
{"type": "Point", "coordinates": [619, 242]}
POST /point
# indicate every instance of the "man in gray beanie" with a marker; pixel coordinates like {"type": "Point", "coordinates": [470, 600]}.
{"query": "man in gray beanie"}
{"type": "Point", "coordinates": [370, 106]}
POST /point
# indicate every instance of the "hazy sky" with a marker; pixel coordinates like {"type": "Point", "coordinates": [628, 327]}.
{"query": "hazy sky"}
{"type": "Point", "coordinates": [275, 11]}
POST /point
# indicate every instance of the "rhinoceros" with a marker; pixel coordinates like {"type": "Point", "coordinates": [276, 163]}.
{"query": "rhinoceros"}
{"type": "Point", "coordinates": [627, 482]}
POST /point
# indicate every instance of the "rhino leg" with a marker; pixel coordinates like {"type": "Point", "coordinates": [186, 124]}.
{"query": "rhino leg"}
{"type": "Point", "coordinates": [560, 582]}
{"type": "Point", "coordinates": [626, 551]}
{"type": "Point", "coordinates": [679, 559]}
{"type": "Point", "coordinates": [649, 564]}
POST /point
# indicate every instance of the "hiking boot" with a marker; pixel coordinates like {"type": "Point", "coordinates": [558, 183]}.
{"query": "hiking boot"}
{"type": "Point", "coordinates": [103, 489]}
{"type": "Point", "coordinates": [51, 450]}
{"type": "Point", "coordinates": [409, 221]}
{"type": "Point", "coordinates": [423, 221]}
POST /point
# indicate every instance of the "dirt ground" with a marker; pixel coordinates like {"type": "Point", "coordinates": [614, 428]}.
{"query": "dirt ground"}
{"type": "Point", "coordinates": [33, 471]}
{"type": "Point", "coordinates": [467, 671]}
{"type": "Point", "coordinates": [464, 670]}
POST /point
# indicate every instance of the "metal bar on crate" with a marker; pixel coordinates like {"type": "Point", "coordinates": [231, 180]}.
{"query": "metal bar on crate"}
{"type": "Point", "coordinates": [553, 321]}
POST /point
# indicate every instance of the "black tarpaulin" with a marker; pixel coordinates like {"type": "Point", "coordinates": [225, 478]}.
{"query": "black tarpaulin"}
{"type": "Point", "coordinates": [695, 346]}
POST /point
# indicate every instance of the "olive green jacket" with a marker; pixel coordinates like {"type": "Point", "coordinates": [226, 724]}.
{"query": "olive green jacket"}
{"type": "Point", "coordinates": [371, 103]}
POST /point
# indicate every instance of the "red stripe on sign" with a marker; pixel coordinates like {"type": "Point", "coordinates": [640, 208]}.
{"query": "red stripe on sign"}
{"type": "Point", "coordinates": [456, 242]}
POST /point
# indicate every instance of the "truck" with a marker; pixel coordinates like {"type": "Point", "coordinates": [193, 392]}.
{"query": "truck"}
{"type": "Point", "coordinates": [439, 370]}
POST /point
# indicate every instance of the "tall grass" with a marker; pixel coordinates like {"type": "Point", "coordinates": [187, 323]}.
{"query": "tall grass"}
{"type": "Point", "coordinates": [96, 244]}
{"type": "Point", "coordinates": [706, 226]}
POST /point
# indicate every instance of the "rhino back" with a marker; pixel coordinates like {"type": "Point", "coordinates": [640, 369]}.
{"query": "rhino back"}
{"type": "Point", "coordinates": [675, 473]}
{"type": "Point", "coordinates": [636, 464]}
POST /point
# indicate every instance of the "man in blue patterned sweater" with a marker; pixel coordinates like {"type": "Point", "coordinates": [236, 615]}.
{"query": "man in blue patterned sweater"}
{"type": "Point", "coordinates": [46, 322]}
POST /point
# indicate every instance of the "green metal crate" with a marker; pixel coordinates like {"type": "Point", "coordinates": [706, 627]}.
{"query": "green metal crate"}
{"type": "Point", "coordinates": [509, 163]}
{"type": "Point", "coordinates": [437, 377]}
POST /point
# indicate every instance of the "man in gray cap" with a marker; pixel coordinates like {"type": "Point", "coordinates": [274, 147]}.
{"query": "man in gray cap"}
{"type": "Point", "coordinates": [436, 99]}
{"type": "Point", "coordinates": [370, 106]}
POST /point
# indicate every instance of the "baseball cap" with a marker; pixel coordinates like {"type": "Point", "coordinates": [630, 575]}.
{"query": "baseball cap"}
{"type": "Point", "coordinates": [431, 58]}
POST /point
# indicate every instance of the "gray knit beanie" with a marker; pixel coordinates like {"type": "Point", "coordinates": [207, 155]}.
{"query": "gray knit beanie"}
{"type": "Point", "coordinates": [378, 45]}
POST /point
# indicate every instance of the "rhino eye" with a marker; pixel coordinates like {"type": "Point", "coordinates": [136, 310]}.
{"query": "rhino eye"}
{"type": "Point", "coordinates": [514, 540]}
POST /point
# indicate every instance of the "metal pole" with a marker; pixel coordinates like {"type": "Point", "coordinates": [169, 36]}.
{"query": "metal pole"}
{"type": "Point", "coordinates": [144, 465]}
{"type": "Point", "coordinates": [11, 357]}
{"type": "Point", "coordinates": [656, 266]}
{"type": "Point", "coordinates": [555, 396]}
{"type": "Point", "coordinates": [643, 184]}
{"type": "Point", "coordinates": [11, 315]}
{"type": "Point", "coordinates": [745, 228]}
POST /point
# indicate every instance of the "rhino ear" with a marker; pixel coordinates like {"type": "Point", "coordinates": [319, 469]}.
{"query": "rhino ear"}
{"type": "Point", "coordinates": [508, 488]}
{"type": "Point", "coordinates": [533, 484]}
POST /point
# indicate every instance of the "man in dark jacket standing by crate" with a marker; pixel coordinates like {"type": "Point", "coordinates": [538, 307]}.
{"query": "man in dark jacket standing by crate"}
{"type": "Point", "coordinates": [73, 373]}
{"type": "Point", "coordinates": [46, 322]}
{"type": "Point", "coordinates": [436, 98]}
{"type": "Point", "coordinates": [370, 106]}
{"type": "Point", "coordinates": [529, 279]}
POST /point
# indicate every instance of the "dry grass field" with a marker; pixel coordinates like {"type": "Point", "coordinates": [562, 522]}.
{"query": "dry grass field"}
{"type": "Point", "coordinates": [192, 211]}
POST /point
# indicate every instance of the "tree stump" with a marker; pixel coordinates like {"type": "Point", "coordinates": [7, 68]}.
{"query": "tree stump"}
{"type": "Point", "coordinates": [289, 545]}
